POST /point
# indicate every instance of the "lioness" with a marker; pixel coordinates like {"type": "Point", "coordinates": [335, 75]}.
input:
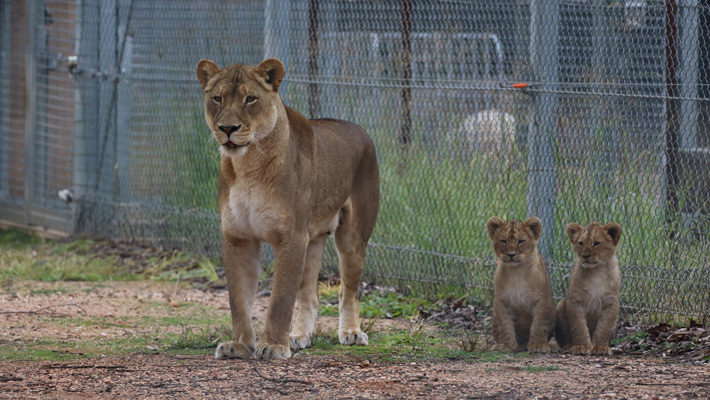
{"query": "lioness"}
{"type": "Point", "coordinates": [290, 182]}
{"type": "Point", "coordinates": [586, 317]}
{"type": "Point", "coordinates": [523, 309]}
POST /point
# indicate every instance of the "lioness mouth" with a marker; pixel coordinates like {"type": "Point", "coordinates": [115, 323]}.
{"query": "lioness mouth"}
{"type": "Point", "coordinates": [234, 146]}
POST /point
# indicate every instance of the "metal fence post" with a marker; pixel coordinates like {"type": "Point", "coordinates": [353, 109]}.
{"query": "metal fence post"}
{"type": "Point", "coordinates": [540, 194]}
{"type": "Point", "coordinates": [30, 106]}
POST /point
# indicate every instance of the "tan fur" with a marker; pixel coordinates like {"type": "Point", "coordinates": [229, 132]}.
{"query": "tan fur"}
{"type": "Point", "coordinates": [586, 317]}
{"type": "Point", "coordinates": [523, 309]}
{"type": "Point", "coordinates": [290, 182]}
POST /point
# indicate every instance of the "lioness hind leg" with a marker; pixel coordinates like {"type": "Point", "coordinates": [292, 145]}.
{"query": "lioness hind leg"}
{"type": "Point", "coordinates": [308, 296]}
{"type": "Point", "coordinates": [242, 265]}
{"type": "Point", "coordinates": [351, 243]}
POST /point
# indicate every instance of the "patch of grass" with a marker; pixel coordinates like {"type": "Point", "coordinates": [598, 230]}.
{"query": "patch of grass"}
{"type": "Point", "coordinates": [197, 338]}
{"type": "Point", "coordinates": [396, 345]}
{"type": "Point", "coordinates": [392, 305]}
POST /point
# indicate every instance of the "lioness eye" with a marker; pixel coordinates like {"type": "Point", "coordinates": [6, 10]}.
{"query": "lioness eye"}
{"type": "Point", "coordinates": [217, 99]}
{"type": "Point", "coordinates": [250, 99]}
{"type": "Point", "coordinates": [596, 244]}
{"type": "Point", "coordinates": [581, 244]}
{"type": "Point", "coordinates": [521, 241]}
{"type": "Point", "coordinates": [504, 241]}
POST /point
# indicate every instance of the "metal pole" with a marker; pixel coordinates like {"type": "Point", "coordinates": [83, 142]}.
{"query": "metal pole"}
{"type": "Point", "coordinates": [405, 136]}
{"type": "Point", "coordinates": [313, 50]}
{"type": "Point", "coordinates": [30, 91]}
{"type": "Point", "coordinates": [672, 154]}
{"type": "Point", "coordinates": [540, 196]}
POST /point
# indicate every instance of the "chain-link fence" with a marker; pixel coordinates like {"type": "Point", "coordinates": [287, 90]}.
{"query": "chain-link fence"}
{"type": "Point", "coordinates": [573, 111]}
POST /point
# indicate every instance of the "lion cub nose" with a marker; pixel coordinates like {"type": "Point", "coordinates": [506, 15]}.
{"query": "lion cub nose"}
{"type": "Point", "coordinates": [228, 129]}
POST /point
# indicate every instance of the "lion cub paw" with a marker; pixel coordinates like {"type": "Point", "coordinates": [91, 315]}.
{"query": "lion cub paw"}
{"type": "Point", "coordinates": [298, 342]}
{"type": "Point", "coordinates": [581, 349]}
{"type": "Point", "coordinates": [267, 351]}
{"type": "Point", "coordinates": [601, 350]}
{"type": "Point", "coordinates": [232, 350]}
{"type": "Point", "coordinates": [538, 348]}
{"type": "Point", "coordinates": [352, 336]}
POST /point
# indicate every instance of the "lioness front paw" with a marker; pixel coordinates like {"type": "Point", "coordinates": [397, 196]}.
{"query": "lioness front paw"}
{"type": "Point", "coordinates": [601, 350]}
{"type": "Point", "coordinates": [267, 351]}
{"type": "Point", "coordinates": [580, 349]}
{"type": "Point", "coordinates": [538, 348]}
{"type": "Point", "coordinates": [505, 348]}
{"type": "Point", "coordinates": [352, 336]}
{"type": "Point", "coordinates": [298, 342]}
{"type": "Point", "coordinates": [232, 350]}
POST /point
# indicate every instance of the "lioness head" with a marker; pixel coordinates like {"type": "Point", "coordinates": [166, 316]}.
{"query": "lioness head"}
{"type": "Point", "coordinates": [241, 102]}
{"type": "Point", "coordinates": [595, 243]}
{"type": "Point", "coordinates": [514, 242]}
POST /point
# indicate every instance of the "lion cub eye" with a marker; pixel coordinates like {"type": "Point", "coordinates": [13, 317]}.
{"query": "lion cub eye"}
{"type": "Point", "coordinates": [597, 244]}
{"type": "Point", "coordinates": [504, 241]}
{"type": "Point", "coordinates": [250, 99]}
{"type": "Point", "coordinates": [217, 99]}
{"type": "Point", "coordinates": [581, 244]}
{"type": "Point", "coordinates": [521, 241]}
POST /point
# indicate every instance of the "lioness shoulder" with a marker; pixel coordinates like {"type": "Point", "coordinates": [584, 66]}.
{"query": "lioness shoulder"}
{"type": "Point", "coordinates": [587, 315]}
{"type": "Point", "coordinates": [523, 312]}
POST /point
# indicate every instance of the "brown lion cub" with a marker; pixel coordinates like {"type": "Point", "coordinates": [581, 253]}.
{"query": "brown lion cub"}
{"type": "Point", "coordinates": [523, 309]}
{"type": "Point", "coordinates": [290, 182]}
{"type": "Point", "coordinates": [586, 317]}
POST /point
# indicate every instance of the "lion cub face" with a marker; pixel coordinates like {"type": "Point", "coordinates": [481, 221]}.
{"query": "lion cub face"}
{"type": "Point", "coordinates": [515, 242]}
{"type": "Point", "coordinates": [241, 102]}
{"type": "Point", "coordinates": [594, 244]}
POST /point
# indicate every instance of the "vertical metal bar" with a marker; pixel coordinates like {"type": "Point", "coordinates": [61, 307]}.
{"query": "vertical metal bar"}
{"type": "Point", "coordinates": [313, 21]}
{"type": "Point", "coordinates": [277, 35]}
{"type": "Point", "coordinates": [6, 9]}
{"type": "Point", "coordinates": [672, 155]}
{"type": "Point", "coordinates": [406, 130]}
{"type": "Point", "coordinates": [689, 52]}
{"type": "Point", "coordinates": [30, 91]}
{"type": "Point", "coordinates": [540, 196]}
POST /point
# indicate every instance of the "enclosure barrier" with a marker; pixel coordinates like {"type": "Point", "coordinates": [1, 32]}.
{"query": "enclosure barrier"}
{"type": "Point", "coordinates": [569, 110]}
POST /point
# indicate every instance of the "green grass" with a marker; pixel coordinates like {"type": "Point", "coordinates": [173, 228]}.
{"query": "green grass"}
{"type": "Point", "coordinates": [394, 346]}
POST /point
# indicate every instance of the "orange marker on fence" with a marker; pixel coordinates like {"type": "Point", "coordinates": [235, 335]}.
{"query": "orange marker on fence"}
{"type": "Point", "coordinates": [520, 85]}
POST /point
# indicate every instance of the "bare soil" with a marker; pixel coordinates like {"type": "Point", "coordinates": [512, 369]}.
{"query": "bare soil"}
{"type": "Point", "coordinates": [26, 318]}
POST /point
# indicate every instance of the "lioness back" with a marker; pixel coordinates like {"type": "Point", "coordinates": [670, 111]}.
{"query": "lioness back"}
{"type": "Point", "coordinates": [586, 317]}
{"type": "Point", "coordinates": [523, 315]}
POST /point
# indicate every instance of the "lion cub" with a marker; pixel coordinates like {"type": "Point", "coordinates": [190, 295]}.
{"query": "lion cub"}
{"type": "Point", "coordinates": [586, 317]}
{"type": "Point", "coordinates": [523, 309]}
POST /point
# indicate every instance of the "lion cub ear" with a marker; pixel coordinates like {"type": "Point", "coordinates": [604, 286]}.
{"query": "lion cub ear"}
{"type": "Point", "coordinates": [493, 224]}
{"type": "Point", "coordinates": [271, 71]}
{"type": "Point", "coordinates": [535, 225]}
{"type": "Point", "coordinates": [573, 230]}
{"type": "Point", "coordinates": [206, 69]}
{"type": "Point", "coordinates": [614, 231]}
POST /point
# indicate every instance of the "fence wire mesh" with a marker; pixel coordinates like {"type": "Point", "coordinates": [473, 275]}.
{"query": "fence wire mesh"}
{"type": "Point", "coordinates": [612, 123]}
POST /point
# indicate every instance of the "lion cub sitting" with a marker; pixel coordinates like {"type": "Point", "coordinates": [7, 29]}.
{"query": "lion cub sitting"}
{"type": "Point", "coordinates": [523, 309]}
{"type": "Point", "coordinates": [586, 317]}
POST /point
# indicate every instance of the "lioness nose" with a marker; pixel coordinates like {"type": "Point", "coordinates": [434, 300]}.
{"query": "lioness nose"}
{"type": "Point", "coordinates": [228, 129]}
{"type": "Point", "coordinates": [511, 255]}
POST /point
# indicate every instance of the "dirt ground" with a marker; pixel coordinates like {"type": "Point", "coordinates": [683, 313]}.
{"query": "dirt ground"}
{"type": "Point", "coordinates": [160, 375]}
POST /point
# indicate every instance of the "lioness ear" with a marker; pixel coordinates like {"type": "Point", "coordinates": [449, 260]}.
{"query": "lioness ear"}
{"type": "Point", "coordinates": [614, 231]}
{"type": "Point", "coordinates": [572, 230]}
{"type": "Point", "coordinates": [206, 69]}
{"type": "Point", "coordinates": [272, 72]}
{"type": "Point", "coordinates": [535, 226]}
{"type": "Point", "coordinates": [493, 224]}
